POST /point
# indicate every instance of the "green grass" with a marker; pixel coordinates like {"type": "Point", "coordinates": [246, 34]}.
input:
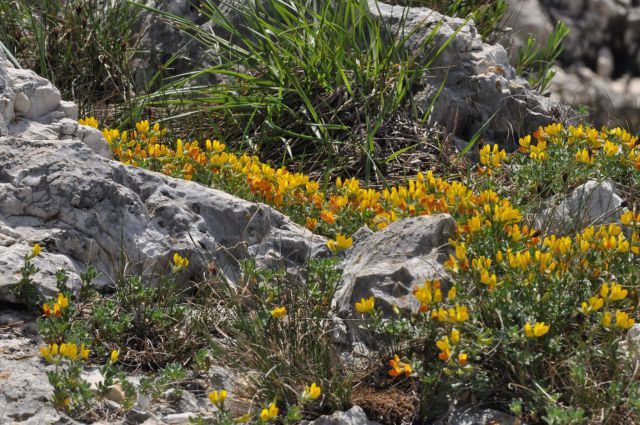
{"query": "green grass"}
{"type": "Point", "coordinates": [84, 47]}
{"type": "Point", "coordinates": [319, 82]}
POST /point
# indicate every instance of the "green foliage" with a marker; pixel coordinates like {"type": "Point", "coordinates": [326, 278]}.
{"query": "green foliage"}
{"type": "Point", "coordinates": [293, 350]}
{"type": "Point", "coordinates": [84, 47]}
{"type": "Point", "coordinates": [536, 63]}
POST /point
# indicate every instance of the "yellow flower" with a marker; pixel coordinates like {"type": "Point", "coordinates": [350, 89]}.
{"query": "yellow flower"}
{"type": "Point", "coordinates": [535, 331]}
{"type": "Point", "coordinates": [451, 295]}
{"type": "Point", "coordinates": [63, 301]}
{"type": "Point", "coordinates": [623, 320]}
{"type": "Point", "coordinates": [584, 157]}
{"type": "Point", "coordinates": [35, 251]}
{"type": "Point", "coordinates": [179, 148]}
{"type": "Point", "coordinates": [606, 319]}
{"type": "Point", "coordinates": [180, 262]}
{"type": "Point", "coordinates": [341, 243]}
{"type": "Point", "coordinates": [217, 398]}
{"type": "Point", "coordinates": [311, 392]}
{"type": "Point", "coordinates": [327, 217]}
{"type": "Point", "coordinates": [365, 306]}
{"type": "Point", "coordinates": [311, 224]}
{"type": "Point", "coordinates": [50, 352]}
{"type": "Point", "coordinates": [617, 293]}
{"type": "Point", "coordinates": [143, 126]}
{"type": "Point", "coordinates": [455, 336]}
{"type": "Point", "coordinates": [463, 358]}
{"type": "Point", "coordinates": [269, 413]}
{"type": "Point", "coordinates": [69, 350]}
{"type": "Point", "coordinates": [279, 312]}
{"type": "Point", "coordinates": [84, 352]}
{"type": "Point", "coordinates": [595, 304]}
{"type": "Point", "coordinates": [445, 348]}
{"type": "Point", "coordinates": [90, 121]}
{"type": "Point", "coordinates": [114, 356]}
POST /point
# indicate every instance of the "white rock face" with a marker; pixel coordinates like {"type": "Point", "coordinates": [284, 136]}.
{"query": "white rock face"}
{"type": "Point", "coordinates": [480, 89]}
{"type": "Point", "coordinates": [389, 265]}
{"type": "Point", "coordinates": [58, 188]}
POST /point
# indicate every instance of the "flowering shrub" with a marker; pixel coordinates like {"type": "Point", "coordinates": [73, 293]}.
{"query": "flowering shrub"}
{"type": "Point", "coordinates": [541, 314]}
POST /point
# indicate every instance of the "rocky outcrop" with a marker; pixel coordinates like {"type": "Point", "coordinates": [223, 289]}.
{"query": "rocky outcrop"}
{"type": "Point", "coordinates": [481, 92]}
{"type": "Point", "coordinates": [388, 265]}
{"type": "Point", "coordinates": [601, 58]}
{"type": "Point", "coordinates": [58, 188]}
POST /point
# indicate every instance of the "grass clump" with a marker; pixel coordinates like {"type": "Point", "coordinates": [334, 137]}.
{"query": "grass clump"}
{"type": "Point", "coordinates": [84, 47]}
{"type": "Point", "coordinates": [317, 81]}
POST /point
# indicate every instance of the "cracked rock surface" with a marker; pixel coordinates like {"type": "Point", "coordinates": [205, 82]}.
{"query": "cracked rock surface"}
{"type": "Point", "coordinates": [59, 188]}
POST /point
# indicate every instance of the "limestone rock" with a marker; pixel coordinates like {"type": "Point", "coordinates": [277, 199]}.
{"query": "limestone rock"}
{"type": "Point", "coordinates": [59, 188]}
{"type": "Point", "coordinates": [591, 203]}
{"type": "Point", "coordinates": [480, 86]}
{"type": "Point", "coordinates": [389, 265]}
{"type": "Point", "coordinates": [353, 416]}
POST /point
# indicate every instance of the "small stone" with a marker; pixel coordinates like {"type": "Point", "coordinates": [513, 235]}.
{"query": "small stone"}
{"type": "Point", "coordinates": [116, 393]}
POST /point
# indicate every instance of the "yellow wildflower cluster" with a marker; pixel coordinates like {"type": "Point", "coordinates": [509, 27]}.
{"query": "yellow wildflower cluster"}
{"type": "Point", "coordinates": [54, 353]}
{"type": "Point", "coordinates": [589, 142]}
{"type": "Point", "coordinates": [179, 262]}
{"type": "Point", "coordinates": [344, 204]}
{"type": "Point", "coordinates": [492, 246]}
{"type": "Point", "coordinates": [431, 293]}
{"type": "Point", "coordinates": [491, 158]}
{"type": "Point", "coordinates": [609, 293]}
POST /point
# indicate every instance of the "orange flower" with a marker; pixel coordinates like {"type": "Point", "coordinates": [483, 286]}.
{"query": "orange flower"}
{"type": "Point", "coordinates": [398, 367]}
{"type": "Point", "coordinates": [327, 217]}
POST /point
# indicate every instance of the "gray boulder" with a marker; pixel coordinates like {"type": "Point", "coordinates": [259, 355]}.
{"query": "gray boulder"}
{"type": "Point", "coordinates": [389, 265]}
{"type": "Point", "coordinates": [591, 203]}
